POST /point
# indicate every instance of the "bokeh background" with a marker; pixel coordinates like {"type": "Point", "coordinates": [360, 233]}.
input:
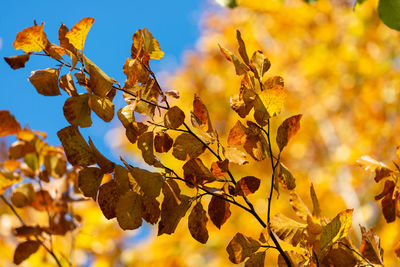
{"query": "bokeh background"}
{"type": "Point", "coordinates": [341, 71]}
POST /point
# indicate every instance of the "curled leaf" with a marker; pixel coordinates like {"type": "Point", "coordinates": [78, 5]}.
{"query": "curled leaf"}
{"type": "Point", "coordinates": [77, 35]}
{"type": "Point", "coordinates": [45, 81]}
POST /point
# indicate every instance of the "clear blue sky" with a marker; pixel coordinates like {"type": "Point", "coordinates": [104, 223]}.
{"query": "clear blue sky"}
{"type": "Point", "coordinates": [175, 24]}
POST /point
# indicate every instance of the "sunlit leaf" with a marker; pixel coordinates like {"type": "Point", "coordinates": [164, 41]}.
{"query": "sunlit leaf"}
{"type": "Point", "coordinates": [234, 155]}
{"type": "Point", "coordinates": [380, 169]}
{"type": "Point", "coordinates": [7, 179]}
{"type": "Point", "coordinates": [240, 67]}
{"type": "Point", "coordinates": [144, 44]}
{"type": "Point", "coordinates": [77, 34]}
{"type": "Point", "coordinates": [237, 135]}
{"type": "Point", "coordinates": [162, 142]}
{"type": "Point", "coordinates": [298, 206]}
{"type": "Point", "coordinates": [260, 63]}
{"type": "Point", "coordinates": [150, 182]}
{"type": "Point", "coordinates": [102, 106]}
{"type": "Point", "coordinates": [220, 168]}
{"type": "Point", "coordinates": [286, 177]}
{"type": "Point", "coordinates": [242, 48]}
{"type": "Point", "coordinates": [145, 144]}
{"type": "Point", "coordinates": [8, 124]}
{"type": "Point", "coordinates": [287, 229]}
{"type": "Point", "coordinates": [126, 116]}
{"type": "Point", "coordinates": [200, 117]}
{"type": "Point", "coordinates": [197, 223]}
{"type": "Point", "coordinates": [287, 130]}
{"type": "Point", "coordinates": [100, 83]}
{"type": "Point", "coordinates": [196, 173]}
{"type": "Point", "coordinates": [31, 39]}
{"type": "Point", "coordinates": [67, 84]}
{"type": "Point", "coordinates": [241, 247]}
{"type": "Point", "coordinates": [187, 146]}
{"type": "Point", "coordinates": [247, 185]}
{"type": "Point", "coordinates": [256, 260]}
{"type": "Point", "coordinates": [45, 81]}
{"type": "Point", "coordinates": [174, 117]}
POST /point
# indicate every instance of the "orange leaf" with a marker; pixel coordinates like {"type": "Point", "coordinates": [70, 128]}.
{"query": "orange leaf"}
{"type": "Point", "coordinates": [287, 130]}
{"type": "Point", "coordinates": [370, 246]}
{"type": "Point", "coordinates": [220, 168]}
{"type": "Point", "coordinates": [31, 39]}
{"type": "Point", "coordinates": [77, 34]}
{"type": "Point", "coordinates": [237, 135]}
{"type": "Point", "coordinates": [8, 124]}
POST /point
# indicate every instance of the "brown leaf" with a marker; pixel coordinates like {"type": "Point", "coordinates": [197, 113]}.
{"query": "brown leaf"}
{"type": "Point", "coordinates": [162, 142]}
{"type": "Point", "coordinates": [76, 149]}
{"type": "Point", "coordinates": [23, 195]}
{"type": "Point", "coordinates": [105, 164]}
{"type": "Point", "coordinates": [31, 39]}
{"type": "Point", "coordinates": [174, 117]}
{"type": "Point", "coordinates": [287, 229]}
{"type": "Point", "coordinates": [129, 211]}
{"type": "Point", "coordinates": [8, 124]}
{"type": "Point", "coordinates": [126, 115]}
{"type": "Point", "coordinates": [234, 155]}
{"type": "Point", "coordinates": [237, 135]}
{"type": "Point", "coordinates": [219, 211]}
{"type": "Point", "coordinates": [67, 84]}
{"type": "Point", "coordinates": [122, 179]}
{"type": "Point", "coordinates": [145, 144]}
{"type": "Point", "coordinates": [108, 198]}
{"type": "Point", "coordinates": [286, 177]}
{"type": "Point", "coordinates": [173, 208]}
{"type": "Point", "coordinates": [187, 146]}
{"type": "Point", "coordinates": [76, 110]}
{"type": "Point", "coordinates": [19, 149]}
{"type": "Point", "coordinates": [83, 80]}
{"type": "Point", "coordinates": [241, 247]}
{"type": "Point", "coordinates": [134, 130]}
{"type": "Point", "coordinates": [135, 72]}
{"type": "Point", "coordinates": [197, 223]}
{"type": "Point", "coordinates": [397, 249]}
{"type": "Point", "coordinates": [89, 181]}
{"type": "Point", "coordinates": [255, 146]}
{"type": "Point", "coordinates": [102, 106]}
{"type": "Point", "coordinates": [242, 48]}
{"type": "Point", "coordinates": [45, 81]}
{"type": "Point", "coordinates": [370, 246]}
{"type": "Point", "coordinates": [240, 67]}
{"type": "Point", "coordinates": [316, 208]}
{"type": "Point", "coordinates": [100, 83]}
{"type": "Point", "coordinates": [380, 169]}
{"type": "Point", "coordinates": [247, 185]}
{"type": "Point", "coordinates": [145, 45]}
{"type": "Point", "coordinates": [243, 102]}
{"type": "Point", "coordinates": [150, 182]}
{"type": "Point", "coordinates": [256, 260]}
{"type": "Point", "coordinates": [24, 250]}
{"type": "Point", "coordinates": [287, 130]}
{"type": "Point", "coordinates": [295, 259]}
{"type": "Point", "coordinates": [17, 62]}
{"type": "Point", "coordinates": [220, 168]}
{"type": "Point", "coordinates": [77, 35]}
{"type": "Point", "coordinates": [150, 210]}
{"type": "Point", "coordinates": [200, 117]}
{"type": "Point", "coordinates": [26, 231]}
{"type": "Point", "coordinates": [44, 202]}
{"type": "Point", "coordinates": [196, 173]}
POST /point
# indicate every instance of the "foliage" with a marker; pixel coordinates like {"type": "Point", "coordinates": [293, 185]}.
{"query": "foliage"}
{"type": "Point", "coordinates": [199, 174]}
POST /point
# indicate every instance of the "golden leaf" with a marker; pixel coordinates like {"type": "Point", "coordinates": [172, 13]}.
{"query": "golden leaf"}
{"type": "Point", "coordinates": [260, 63]}
{"type": "Point", "coordinates": [77, 34]}
{"type": "Point", "coordinates": [126, 115]}
{"type": "Point", "coordinates": [195, 173]}
{"type": "Point", "coordinates": [247, 185]}
{"type": "Point", "coordinates": [234, 155]}
{"type": "Point", "coordinates": [256, 260]}
{"type": "Point", "coordinates": [45, 81]}
{"type": "Point", "coordinates": [100, 83]}
{"type": "Point", "coordinates": [237, 135]}
{"type": "Point", "coordinates": [31, 39]}
{"type": "Point", "coordinates": [67, 84]}
{"type": "Point", "coordinates": [150, 182]}
{"type": "Point", "coordinates": [241, 247]}
{"type": "Point", "coordinates": [240, 67]}
{"type": "Point", "coordinates": [76, 110]}
{"type": "Point", "coordinates": [287, 229]}
{"type": "Point", "coordinates": [380, 169]}
{"type": "Point", "coordinates": [370, 246]}
{"type": "Point", "coordinates": [298, 206]}
{"type": "Point", "coordinates": [8, 124]}
{"type": "Point", "coordinates": [287, 130]}
{"type": "Point", "coordinates": [145, 45]}
{"type": "Point", "coordinates": [102, 106]}
{"type": "Point", "coordinates": [7, 179]}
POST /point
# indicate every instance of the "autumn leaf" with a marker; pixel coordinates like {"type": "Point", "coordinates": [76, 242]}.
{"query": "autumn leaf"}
{"type": "Point", "coordinates": [77, 34]}
{"type": "Point", "coordinates": [150, 182]}
{"type": "Point", "coordinates": [129, 211]}
{"type": "Point", "coordinates": [77, 111]}
{"type": "Point", "coordinates": [286, 177]}
{"type": "Point", "coordinates": [242, 48]}
{"type": "Point", "coordinates": [370, 246]}
{"type": "Point", "coordinates": [247, 185]}
{"type": "Point", "coordinates": [200, 117]}
{"type": "Point", "coordinates": [296, 259]}
{"type": "Point", "coordinates": [8, 179]}
{"type": "Point", "coordinates": [197, 223]}
{"type": "Point", "coordinates": [26, 231]}
{"type": "Point", "coordinates": [150, 209]}
{"type": "Point", "coordinates": [287, 130]}
{"type": "Point", "coordinates": [234, 155]}
{"type": "Point", "coordinates": [55, 163]}
{"type": "Point", "coordinates": [298, 206]}
{"type": "Point", "coordinates": [144, 44]}
{"type": "Point", "coordinates": [187, 146]}
{"type": "Point", "coordinates": [241, 247]}
{"type": "Point", "coordinates": [316, 208]}
{"type": "Point", "coordinates": [102, 106]}
{"type": "Point", "coordinates": [240, 67]}
{"type": "Point", "coordinates": [162, 142]}
{"type": "Point", "coordinates": [174, 117]}
{"type": "Point", "coordinates": [17, 62]}
{"type": "Point", "coordinates": [89, 181]}
{"type": "Point", "coordinates": [24, 250]}
{"type": "Point", "coordinates": [67, 84]}
{"type": "Point", "coordinates": [100, 83]}
{"type": "Point", "coordinates": [260, 62]}
{"type": "Point", "coordinates": [23, 195]}
{"type": "Point", "coordinates": [380, 169]}
{"type": "Point", "coordinates": [219, 211]}
{"type": "Point", "coordinates": [108, 199]}
{"type": "Point", "coordinates": [256, 260]}
{"type": "Point", "coordinates": [220, 168]}
{"type": "Point", "coordinates": [237, 135]}
{"type": "Point", "coordinates": [335, 230]}
{"type": "Point", "coordinates": [173, 208]}
{"type": "Point", "coordinates": [126, 115]}
{"type": "Point", "coordinates": [8, 124]}
{"type": "Point", "coordinates": [145, 144]}
{"type": "Point", "coordinates": [31, 39]}
{"type": "Point", "coordinates": [45, 81]}
{"type": "Point", "coordinates": [389, 203]}
{"type": "Point", "coordinates": [287, 229]}
{"type": "Point", "coordinates": [196, 173]}
{"type": "Point", "coordinates": [76, 149]}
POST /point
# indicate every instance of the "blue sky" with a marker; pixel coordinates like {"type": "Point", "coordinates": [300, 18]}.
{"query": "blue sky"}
{"type": "Point", "coordinates": [175, 24]}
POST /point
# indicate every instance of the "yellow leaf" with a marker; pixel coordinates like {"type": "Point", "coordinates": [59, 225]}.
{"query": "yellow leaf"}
{"type": "Point", "coordinates": [77, 34]}
{"type": "Point", "coordinates": [380, 169]}
{"type": "Point", "coordinates": [241, 247]}
{"type": "Point", "coordinates": [126, 115]}
{"type": "Point", "coordinates": [45, 81]}
{"type": "Point", "coordinates": [144, 44]}
{"type": "Point", "coordinates": [234, 155]}
{"type": "Point", "coordinates": [260, 63]}
{"type": "Point", "coordinates": [240, 67]}
{"type": "Point", "coordinates": [100, 83]}
{"type": "Point", "coordinates": [76, 110]}
{"type": "Point", "coordinates": [335, 230]}
{"type": "Point", "coordinates": [8, 124]}
{"type": "Point", "coordinates": [298, 206]}
{"type": "Point", "coordinates": [287, 229]}
{"type": "Point", "coordinates": [129, 211]}
{"type": "Point", "coordinates": [269, 104]}
{"type": "Point", "coordinates": [102, 106]}
{"type": "Point", "coordinates": [7, 179]}
{"type": "Point", "coordinates": [76, 149]}
{"type": "Point", "coordinates": [31, 39]}
{"type": "Point", "coordinates": [89, 181]}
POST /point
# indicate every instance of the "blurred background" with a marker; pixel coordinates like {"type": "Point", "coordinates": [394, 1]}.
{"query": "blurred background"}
{"type": "Point", "coordinates": [341, 71]}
